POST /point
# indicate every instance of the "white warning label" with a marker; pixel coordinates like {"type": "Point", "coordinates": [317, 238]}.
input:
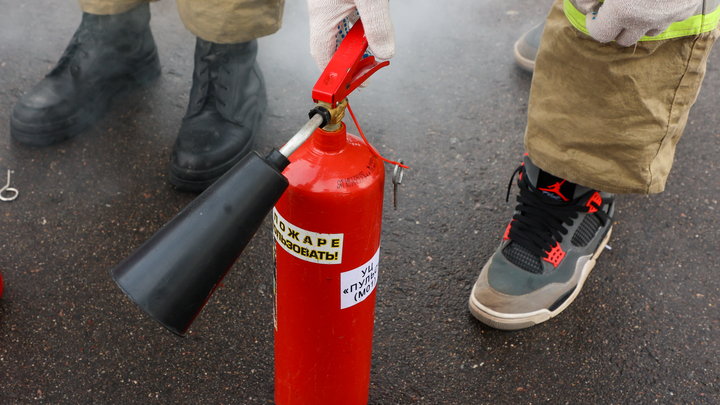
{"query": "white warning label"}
{"type": "Point", "coordinates": [323, 248]}
{"type": "Point", "coordinates": [357, 284]}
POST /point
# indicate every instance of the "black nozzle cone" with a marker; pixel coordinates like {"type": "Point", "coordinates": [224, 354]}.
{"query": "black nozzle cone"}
{"type": "Point", "coordinates": [175, 272]}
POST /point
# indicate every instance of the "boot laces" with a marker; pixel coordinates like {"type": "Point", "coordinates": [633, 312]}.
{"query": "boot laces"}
{"type": "Point", "coordinates": [82, 35]}
{"type": "Point", "coordinates": [541, 222]}
{"type": "Point", "coordinates": [214, 62]}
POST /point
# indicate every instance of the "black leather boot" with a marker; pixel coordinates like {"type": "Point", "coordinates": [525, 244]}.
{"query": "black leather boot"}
{"type": "Point", "coordinates": [107, 54]}
{"type": "Point", "coordinates": [226, 101]}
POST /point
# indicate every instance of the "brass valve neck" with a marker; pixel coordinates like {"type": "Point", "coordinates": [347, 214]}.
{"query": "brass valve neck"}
{"type": "Point", "coordinates": [336, 115]}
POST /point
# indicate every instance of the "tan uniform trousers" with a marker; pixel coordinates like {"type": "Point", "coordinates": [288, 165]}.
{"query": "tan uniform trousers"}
{"type": "Point", "coordinates": [609, 117]}
{"type": "Point", "coordinates": [219, 21]}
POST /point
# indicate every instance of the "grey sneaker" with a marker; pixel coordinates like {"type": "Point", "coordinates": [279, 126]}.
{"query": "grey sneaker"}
{"type": "Point", "coordinates": [550, 246]}
{"type": "Point", "coordinates": [526, 48]}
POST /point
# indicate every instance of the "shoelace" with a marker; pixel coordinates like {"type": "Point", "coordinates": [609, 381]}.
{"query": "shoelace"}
{"type": "Point", "coordinates": [539, 223]}
{"type": "Point", "coordinates": [215, 60]}
{"type": "Point", "coordinates": [72, 49]}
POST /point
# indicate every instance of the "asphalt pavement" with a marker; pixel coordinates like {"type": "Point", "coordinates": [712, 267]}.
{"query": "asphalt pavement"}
{"type": "Point", "coordinates": [452, 104]}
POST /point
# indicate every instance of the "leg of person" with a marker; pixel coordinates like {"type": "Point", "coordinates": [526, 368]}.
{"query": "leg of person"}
{"type": "Point", "coordinates": [557, 232]}
{"type": "Point", "coordinates": [600, 117]}
{"type": "Point", "coordinates": [228, 93]}
{"type": "Point", "coordinates": [112, 50]}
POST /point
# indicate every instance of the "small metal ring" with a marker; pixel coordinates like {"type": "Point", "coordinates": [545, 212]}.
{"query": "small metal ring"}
{"type": "Point", "coordinates": [11, 190]}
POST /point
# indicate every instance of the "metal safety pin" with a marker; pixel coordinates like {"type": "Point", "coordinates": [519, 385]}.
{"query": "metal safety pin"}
{"type": "Point", "coordinates": [9, 190]}
{"type": "Point", "coordinates": [397, 179]}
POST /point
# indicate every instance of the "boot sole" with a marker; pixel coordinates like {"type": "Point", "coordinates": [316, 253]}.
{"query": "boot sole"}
{"type": "Point", "coordinates": [72, 126]}
{"type": "Point", "coordinates": [178, 178]}
{"type": "Point", "coordinates": [502, 321]}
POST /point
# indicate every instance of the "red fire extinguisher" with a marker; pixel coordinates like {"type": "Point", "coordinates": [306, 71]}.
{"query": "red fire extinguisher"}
{"type": "Point", "coordinates": [327, 249]}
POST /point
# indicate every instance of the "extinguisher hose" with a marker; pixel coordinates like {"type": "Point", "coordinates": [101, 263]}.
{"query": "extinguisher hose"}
{"type": "Point", "coordinates": [372, 149]}
{"type": "Point", "coordinates": [316, 121]}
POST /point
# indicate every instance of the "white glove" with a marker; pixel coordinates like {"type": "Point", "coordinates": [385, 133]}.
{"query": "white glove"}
{"type": "Point", "coordinates": [326, 21]}
{"type": "Point", "coordinates": [626, 21]}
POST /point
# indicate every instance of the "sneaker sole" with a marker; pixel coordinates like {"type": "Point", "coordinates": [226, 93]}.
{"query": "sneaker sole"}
{"type": "Point", "coordinates": [523, 62]}
{"type": "Point", "coordinates": [39, 136]}
{"type": "Point", "coordinates": [502, 321]}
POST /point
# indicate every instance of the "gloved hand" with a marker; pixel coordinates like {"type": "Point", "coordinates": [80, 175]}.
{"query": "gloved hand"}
{"type": "Point", "coordinates": [327, 15]}
{"type": "Point", "coordinates": [626, 21]}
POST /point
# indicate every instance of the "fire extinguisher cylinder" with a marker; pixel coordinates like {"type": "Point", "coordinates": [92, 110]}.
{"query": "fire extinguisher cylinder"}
{"type": "Point", "coordinates": [327, 230]}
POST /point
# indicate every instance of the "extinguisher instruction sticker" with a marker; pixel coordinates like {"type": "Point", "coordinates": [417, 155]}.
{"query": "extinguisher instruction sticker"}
{"type": "Point", "coordinates": [323, 248]}
{"type": "Point", "coordinates": [357, 284]}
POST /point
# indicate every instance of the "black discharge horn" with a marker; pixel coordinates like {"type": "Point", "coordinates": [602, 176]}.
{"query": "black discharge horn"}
{"type": "Point", "coordinates": [173, 274]}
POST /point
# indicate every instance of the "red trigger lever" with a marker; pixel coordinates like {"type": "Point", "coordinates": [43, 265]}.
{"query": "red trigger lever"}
{"type": "Point", "coordinates": [347, 69]}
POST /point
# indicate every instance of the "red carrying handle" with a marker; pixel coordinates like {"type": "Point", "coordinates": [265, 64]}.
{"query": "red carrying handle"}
{"type": "Point", "coordinates": [347, 69]}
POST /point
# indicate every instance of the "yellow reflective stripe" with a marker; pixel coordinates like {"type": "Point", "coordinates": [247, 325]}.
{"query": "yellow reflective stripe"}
{"type": "Point", "coordinates": [694, 25]}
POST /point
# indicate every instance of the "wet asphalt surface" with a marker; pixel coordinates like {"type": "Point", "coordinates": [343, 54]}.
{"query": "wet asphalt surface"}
{"type": "Point", "coordinates": [452, 104]}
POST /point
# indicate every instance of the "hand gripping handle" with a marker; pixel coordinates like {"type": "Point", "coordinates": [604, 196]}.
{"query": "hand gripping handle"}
{"type": "Point", "coordinates": [347, 69]}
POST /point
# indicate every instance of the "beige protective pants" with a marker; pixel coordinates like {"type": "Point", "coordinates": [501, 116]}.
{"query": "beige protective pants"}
{"type": "Point", "coordinates": [219, 21]}
{"type": "Point", "coordinates": [609, 117]}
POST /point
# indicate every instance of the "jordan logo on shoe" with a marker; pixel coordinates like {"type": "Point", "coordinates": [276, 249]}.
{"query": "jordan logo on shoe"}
{"type": "Point", "coordinates": [553, 191]}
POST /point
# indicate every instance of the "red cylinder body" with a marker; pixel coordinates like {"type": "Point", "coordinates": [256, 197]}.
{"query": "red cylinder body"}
{"type": "Point", "coordinates": [327, 243]}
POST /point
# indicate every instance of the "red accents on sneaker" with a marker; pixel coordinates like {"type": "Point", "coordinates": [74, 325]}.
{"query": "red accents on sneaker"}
{"type": "Point", "coordinates": [596, 199]}
{"type": "Point", "coordinates": [555, 189]}
{"type": "Point", "coordinates": [507, 231]}
{"type": "Point", "coordinates": [555, 256]}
